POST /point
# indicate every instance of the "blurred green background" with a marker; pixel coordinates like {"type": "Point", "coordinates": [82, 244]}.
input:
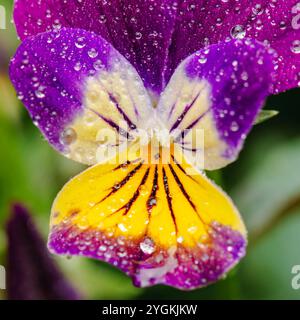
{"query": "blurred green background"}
{"type": "Point", "coordinates": [264, 183]}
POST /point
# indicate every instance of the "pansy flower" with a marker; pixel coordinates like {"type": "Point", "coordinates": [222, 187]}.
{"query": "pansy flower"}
{"type": "Point", "coordinates": [177, 67]}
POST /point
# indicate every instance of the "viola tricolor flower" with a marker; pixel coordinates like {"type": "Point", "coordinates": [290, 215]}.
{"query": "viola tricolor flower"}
{"type": "Point", "coordinates": [173, 66]}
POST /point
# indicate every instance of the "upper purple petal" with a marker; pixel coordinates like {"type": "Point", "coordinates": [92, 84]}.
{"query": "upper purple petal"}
{"type": "Point", "coordinates": [273, 22]}
{"type": "Point", "coordinates": [141, 30]}
{"type": "Point", "coordinates": [156, 35]}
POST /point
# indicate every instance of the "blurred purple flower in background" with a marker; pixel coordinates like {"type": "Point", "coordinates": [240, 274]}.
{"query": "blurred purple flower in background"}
{"type": "Point", "coordinates": [31, 272]}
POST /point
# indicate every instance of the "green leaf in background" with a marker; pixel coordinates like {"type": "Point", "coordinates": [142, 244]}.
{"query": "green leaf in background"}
{"type": "Point", "coordinates": [266, 270]}
{"type": "Point", "coordinates": [265, 115]}
{"type": "Point", "coordinates": [271, 185]}
{"type": "Point", "coordinates": [96, 280]}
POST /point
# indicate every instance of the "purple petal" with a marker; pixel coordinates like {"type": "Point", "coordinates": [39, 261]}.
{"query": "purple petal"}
{"type": "Point", "coordinates": [219, 90]}
{"type": "Point", "coordinates": [141, 30]}
{"type": "Point", "coordinates": [32, 274]}
{"type": "Point", "coordinates": [183, 267]}
{"type": "Point", "coordinates": [162, 33]}
{"type": "Point", "coordinates": [73, 84]}
{"type": "Point", "coordinates": [276, 23]}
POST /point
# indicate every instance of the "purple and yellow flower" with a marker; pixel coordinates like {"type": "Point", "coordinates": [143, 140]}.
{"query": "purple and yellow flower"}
{"type": "Point", "coordinates": [178, 66]}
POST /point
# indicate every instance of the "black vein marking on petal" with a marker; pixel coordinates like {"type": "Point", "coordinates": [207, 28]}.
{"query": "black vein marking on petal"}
{"type": "Point", "coordinates": [122, 113]}
{"type": "Point", "coordinates": [182, 169]}
{"type": "Point", "coordinates": [169, 198]}
{"type": "Point", "coordinates": [184, 132]}
{"type": "Point", "coordinates": [73, 212]}
{"type": "Point", "coordinates": [189, 127]}
{"type": "Point", "coordinates": [111, 123]}
{"type": "Point", "coordinates": [127, 163]}
{"type": "Point", "coordinates": [191, 149]}
{"type": "Point", "coordinates": [171, 110]}
{"type": "Point", "coordinates": [184, 113]}
{"type": "Point", "coordinates": [174, 104]}
{"type": "Point", "coordinates": [122, 165]}
{"type": "Point", "coordinates": [181, 187]}
{"type": "Point", "coordinates": [136, 194]}
{"type": "Point", "coordinates": [122, 183]}
{"type": "Point", "coordinates": [152, 201]}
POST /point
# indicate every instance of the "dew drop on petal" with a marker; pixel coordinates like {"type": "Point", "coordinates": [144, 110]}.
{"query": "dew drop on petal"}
{"type": "Point", "coordinates": [80, 43]}
{"type": "Point", "coordinates": [68, 136]}
{"type": "Point", "coordinates": [180, 239]}
{"type": "Point", "coordinates": [202, 60]}
{"type": "Point", "coordinates": [77, 66]}
{"type": "Point", "coordinates": [138, 35]}
{"type": "Point", "coordinates": [93, 53]}
{"type": "Point", "coordinates": [234, 127]}
{"type": "Point", "coordinates": [40, 92]}
{"type": "Point", "coordinates": [102, 18]}
{"type": "Point", "coordinates": [238, 32]}
{"type": "Point", "coordinates": [147, 246]}
{"type": "Point", "coordinates": [122, 227]}
{"type": "Point", "coordinates": [295, 47]}
{"type": "Point", "coordinates": [258, 9]}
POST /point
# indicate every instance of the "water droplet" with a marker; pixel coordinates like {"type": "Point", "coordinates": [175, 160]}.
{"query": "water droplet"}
{"type": "Point", "coordinates": [295, 47]}
{"type": "Point", "coordinates": [117, 186]}
{"type": "Point", "coordinates": [258, 9]}
{"type": "Point", "coordinates": [180, 239]}
{"type": "Point", "coordinates": [152, 202]}
{"type": "Point", "coordinates": [102, 18]}
{"type": "Point", "coordinates": [234, 127]}
{"type": "Point", "coordinates": [68, 136]}
{"type": "Point", "coordinates": [192, 229]}
{"type": "Point", "coordinates": [20, 96]}
{"type": "Point", "coordinates": [138, 35]}
{"type": "Point", "coordinates": [93, 53]}
{"type": "Point", "coordinates": [83, 224]}
{"type": "Point", "coordinates": [102, 248]}
{"type": "Point", "coordinates": [80, 43]}
{"type": "Point", "coordinates": [147, 246]}
{"type": "Point", "coordinates": [143, 190]}
{"type": "Point", "coordinates": [77, 66]}
{"type": "Point", "coordinates": [238, 32]}
{"type": "Point", "coordinates": [122, 227]}
{"type": "Point", "coordinates": [202, 59]}
{"type": "Point", "coordinates": [282, 25]}
{"type": "Point", "coordinates": [40, 92]}
{"type": "Point", "coordinates": [56, 25]}
{"type": "Point", "coordinates": [98, 65]}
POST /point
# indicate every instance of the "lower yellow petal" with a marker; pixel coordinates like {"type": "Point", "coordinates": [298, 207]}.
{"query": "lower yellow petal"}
{"type": "Point", "coordinates": [154, 222]}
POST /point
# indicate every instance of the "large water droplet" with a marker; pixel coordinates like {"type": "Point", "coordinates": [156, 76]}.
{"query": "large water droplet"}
{"type": "Point", "coordinates": [40, 92]}
{"type": "Point", "coordinates": [258, 9]}
{"type": "Point", "coordinates": [295, 47]}
{"type": "Point", "coordinates": [68, 136]}
{"type": "Point", "coordinates": [234, 127]}
{"type": "Point", "coordinates": [122, 227]}
{"type": "Point", "coordinates": [93, 53]}
{"type": "Point", "coordinates": [147, 246]}
{"type": "Point", "coordinates": [238, 32]}
{"type": "Point", "coordinates": [80, 42]}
